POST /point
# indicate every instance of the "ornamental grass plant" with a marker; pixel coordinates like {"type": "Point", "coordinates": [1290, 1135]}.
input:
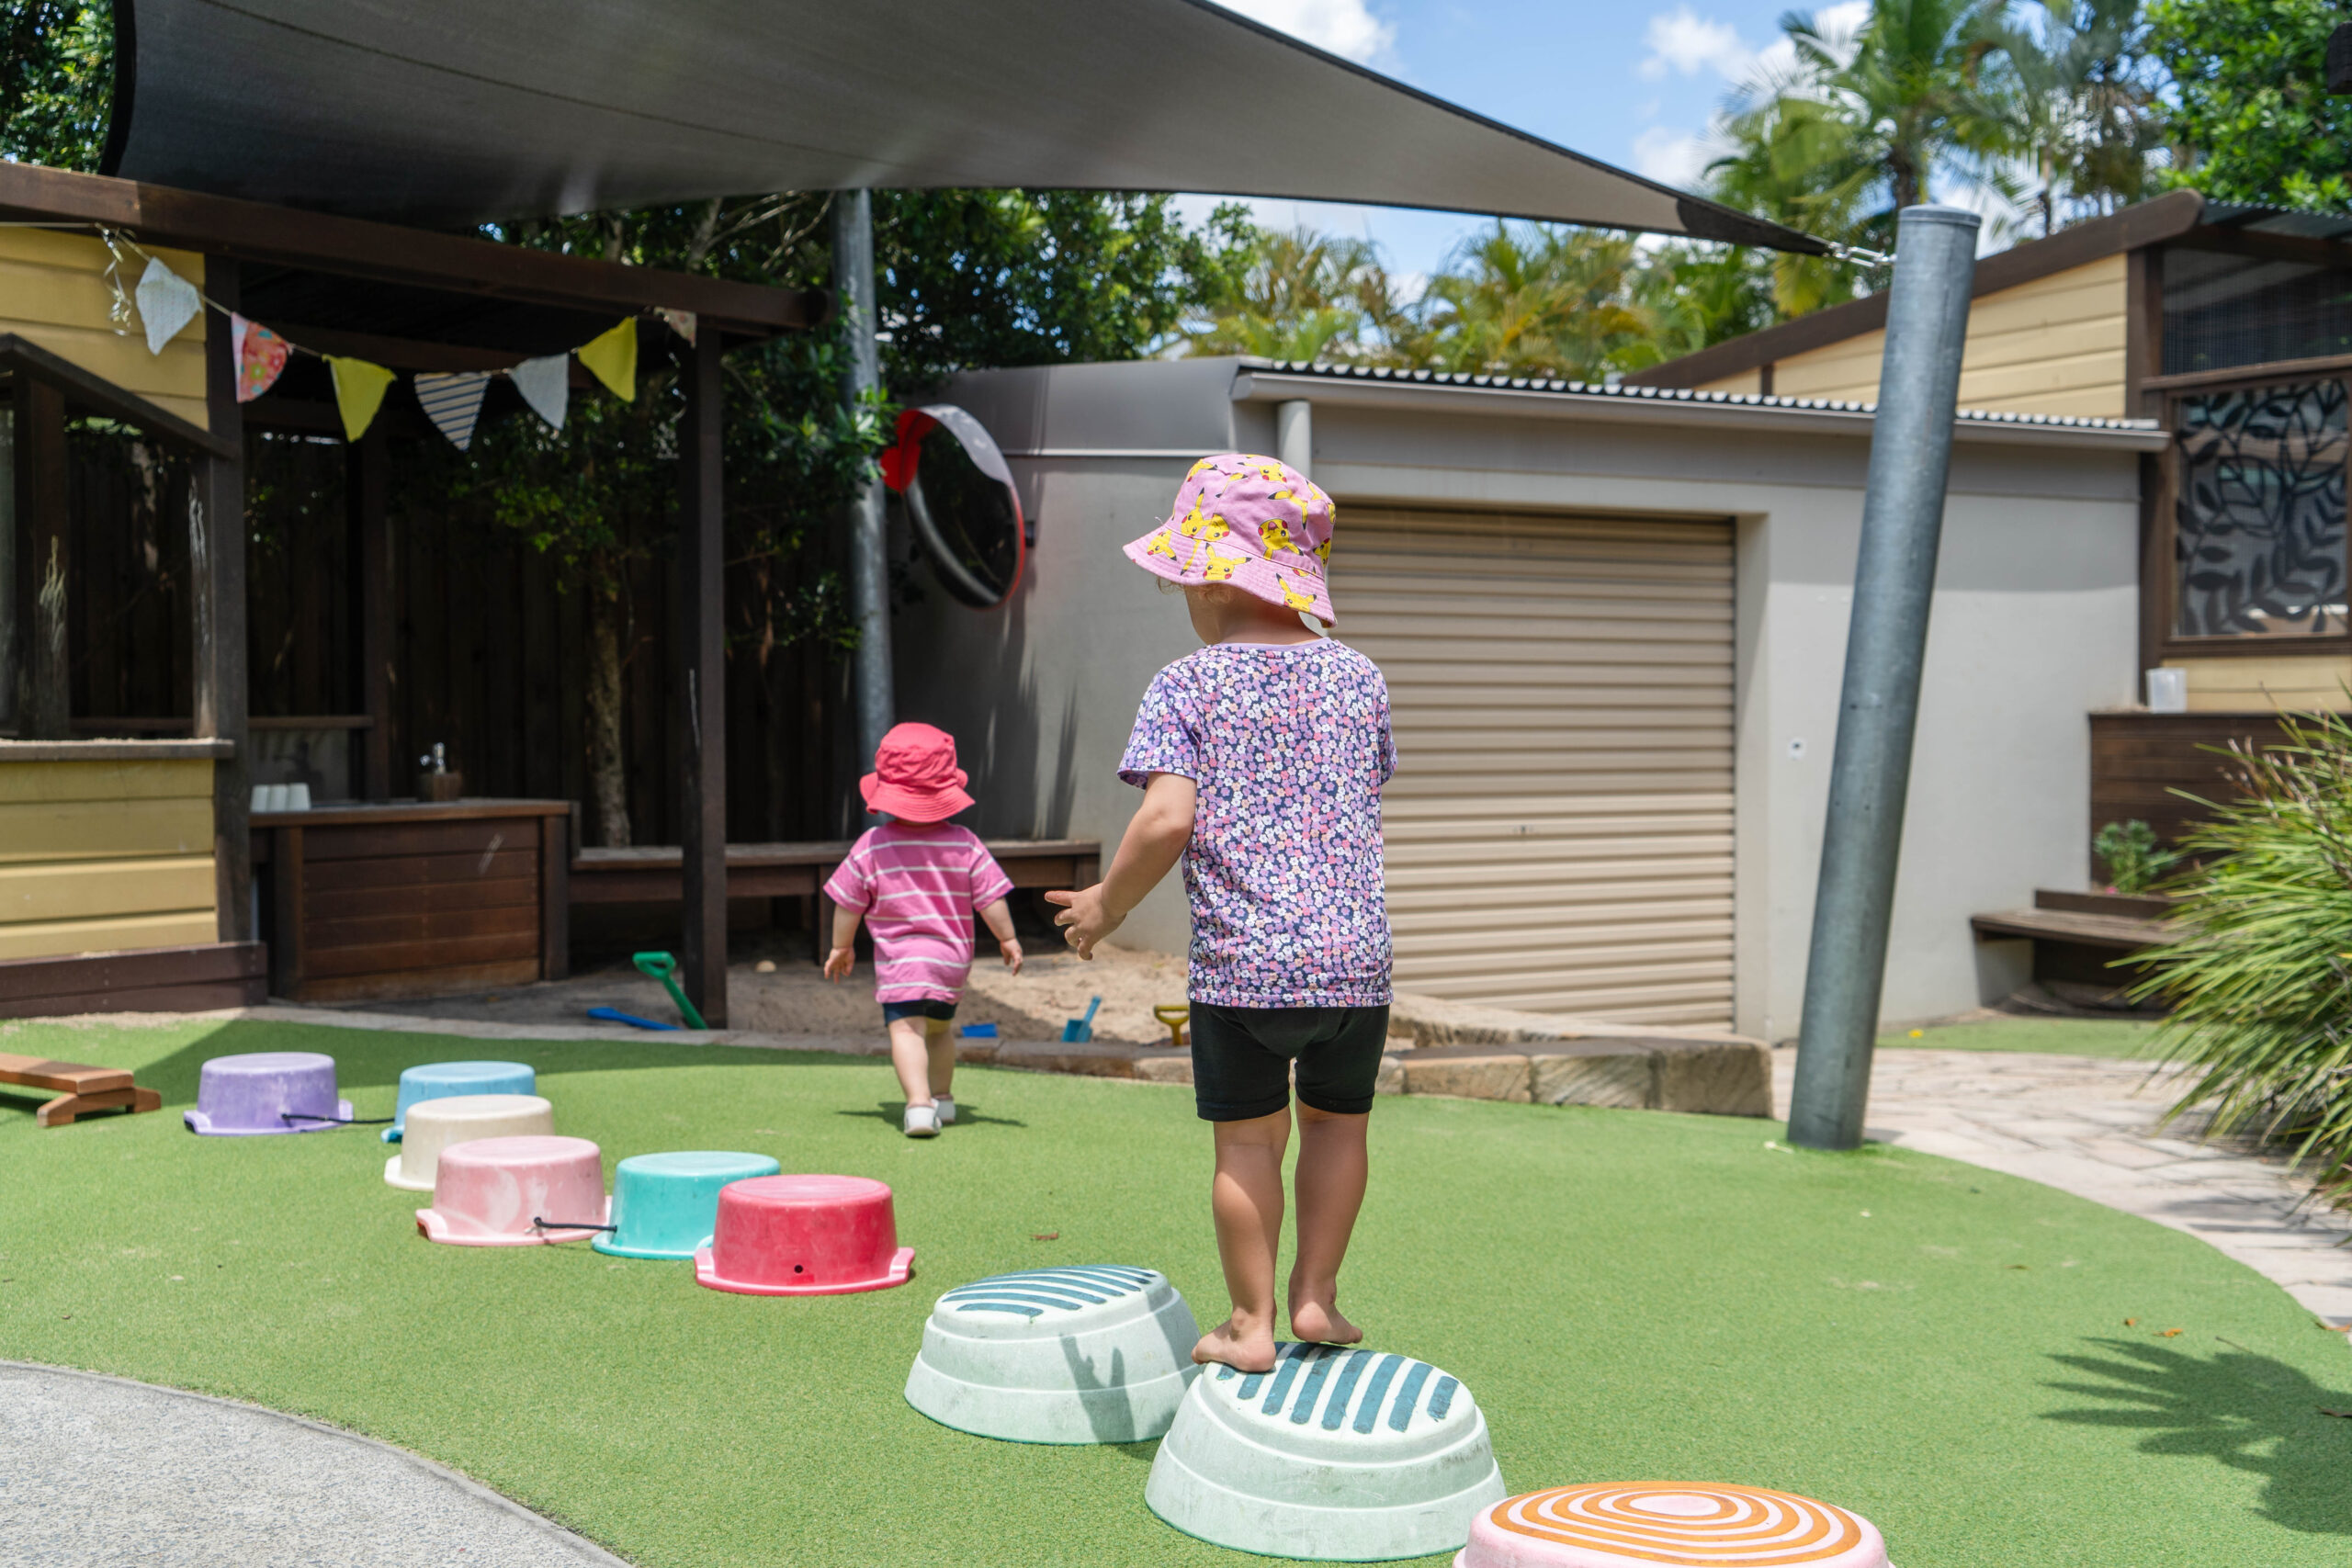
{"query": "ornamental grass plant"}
{"type": "Point", "coordinates": [2259, 977]}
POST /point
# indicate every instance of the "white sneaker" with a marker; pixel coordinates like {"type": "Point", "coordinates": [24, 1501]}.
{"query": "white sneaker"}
{"type": "Point", "coordinates": [922, 1121]}
{"type": "Point", "coordinates": [946, 1105]}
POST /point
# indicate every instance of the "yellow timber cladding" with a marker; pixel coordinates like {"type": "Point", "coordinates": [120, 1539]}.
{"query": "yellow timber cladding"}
{"type": "Point", "coordinates": [2053, 345]}
{"type": "Point", "coordinates": [1559, 833]}
{"type": "Point", "coordinates": [55, 293]}
{"type": "Point", "coordinates": [98, 856]}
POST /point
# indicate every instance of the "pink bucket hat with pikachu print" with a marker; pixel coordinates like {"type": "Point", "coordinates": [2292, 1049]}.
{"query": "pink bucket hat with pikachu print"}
{"type": "Point", "coordinates": [1252, 522]}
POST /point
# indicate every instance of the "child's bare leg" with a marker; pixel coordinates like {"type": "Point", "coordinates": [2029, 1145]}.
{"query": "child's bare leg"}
{"type": "Point", "coordinates": [1332, 1166]}
{"type": "Point", "coordinates": [941, 1048]}
{"type": "Point", "coordinates": [909, 1055]}
{"type": "Point", "coordinates": [1247, 1198]}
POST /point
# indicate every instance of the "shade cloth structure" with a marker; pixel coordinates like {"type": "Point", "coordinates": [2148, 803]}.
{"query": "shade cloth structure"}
{"type": "Point", "coordinates": [449, 112]}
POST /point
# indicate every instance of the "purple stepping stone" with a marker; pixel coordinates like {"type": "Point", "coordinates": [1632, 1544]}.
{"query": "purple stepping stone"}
{"type": "Point", "coordinates": [253, 1095]}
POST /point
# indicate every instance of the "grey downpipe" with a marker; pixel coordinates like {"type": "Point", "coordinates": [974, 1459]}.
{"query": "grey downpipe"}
{"type": "Point", "coordinates": [869, 564]}
{"type": "Point", "coordinates": [1894, 579]}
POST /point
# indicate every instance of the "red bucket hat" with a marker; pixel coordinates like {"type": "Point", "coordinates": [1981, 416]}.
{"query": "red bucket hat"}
{"type": "Point", "coordinates": [915, 777]}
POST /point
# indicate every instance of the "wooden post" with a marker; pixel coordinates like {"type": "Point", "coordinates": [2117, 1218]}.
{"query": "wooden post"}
{"type": "Point", "coordinates": [43, 570]}
{"type": "Point", "coordinates": [371, 582]}
{"type": "Point", "coordinates": [286, 915]}
{"type": "Point", "coordinates": [216, 539]}
{"type": "Point", "coordinates": [702, 710]}
{"type": "Point", "coordinates": [555, 897]}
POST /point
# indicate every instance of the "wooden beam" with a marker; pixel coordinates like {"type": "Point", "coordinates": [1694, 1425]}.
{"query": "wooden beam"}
{"type": "Point", "coordinates": [45, 567]}
{"type": "Point", "coordinates": [702, 706]}
{"type": "Point", "coordinates": [96, 394]}
{"type": "Point", "coordinates": [216, 529]}
{"type": "Point", "coordinates": [366, 470]}
{"type": "Point", "coordinates": [388, 253]}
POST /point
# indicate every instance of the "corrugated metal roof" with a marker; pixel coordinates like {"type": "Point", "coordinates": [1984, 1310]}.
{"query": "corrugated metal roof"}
{"type": "Point", "coordinates": [1660, 394]}
{"type": "Point", "coordinates": [2303, 222]}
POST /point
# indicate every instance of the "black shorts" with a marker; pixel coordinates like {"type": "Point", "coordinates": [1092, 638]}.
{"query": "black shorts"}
{"type": "Point", "coordinates": [1241, 1059]}
{"type": "Point", "coordinates": [893, 1011]}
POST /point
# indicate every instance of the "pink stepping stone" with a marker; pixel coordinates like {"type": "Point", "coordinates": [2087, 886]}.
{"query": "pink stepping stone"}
{"type": "Point", "coordinates": [804, 1236]}
{"type": "Point", "coordinates": [493, 1191]}
{"type": "Point", "coordinates": [1644, 1524]}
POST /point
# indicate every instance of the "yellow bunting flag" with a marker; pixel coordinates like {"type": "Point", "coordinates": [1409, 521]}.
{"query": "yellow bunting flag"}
{"type": "Point", "coordinates": [359, 390]}
{"type": "Point", "coordinates": [613, 358]}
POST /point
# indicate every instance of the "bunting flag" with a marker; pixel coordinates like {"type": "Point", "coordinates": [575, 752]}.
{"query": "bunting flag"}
{"type": "Point", "coordinates": [260, 355]}
{"type": "Point", "coordinates": [545, 385]}
{"type": "Point", "coordinates": [613, 358]}
{"type": "Point", "coordinates": [359, 390]}
{"type": "Point", "coordinates": [166, 303]}
{"type": "Point", "coordinates": [453, 402]}
{"type": "Point", "coordinates": [681, 321]}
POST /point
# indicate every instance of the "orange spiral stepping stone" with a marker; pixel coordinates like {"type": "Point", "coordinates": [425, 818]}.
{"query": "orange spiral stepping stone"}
{"type": "Point", "coordinates": [1642, 1523]}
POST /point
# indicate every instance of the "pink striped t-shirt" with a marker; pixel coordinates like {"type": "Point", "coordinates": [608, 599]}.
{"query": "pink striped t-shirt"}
{"type": "Point", "coordinates": [918, 885]}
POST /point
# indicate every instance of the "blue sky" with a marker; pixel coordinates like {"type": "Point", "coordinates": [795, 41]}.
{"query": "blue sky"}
{"type": "Point", "coordinates": [1632, 83]}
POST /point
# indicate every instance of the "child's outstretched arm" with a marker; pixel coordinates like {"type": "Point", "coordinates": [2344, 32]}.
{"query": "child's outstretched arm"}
{"type": "Point", "coordinates": [837, 963]}
{"type": "Point", "coordinates": [999, 918]}
{"type": "Point", "coordinates": [1155, 841]}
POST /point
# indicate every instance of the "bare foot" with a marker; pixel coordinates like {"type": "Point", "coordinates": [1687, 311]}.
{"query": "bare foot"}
{"type": "Point", "coordinates": [1319, 1323]}
{"type": "Point", "coordinates": [1248, 1350]}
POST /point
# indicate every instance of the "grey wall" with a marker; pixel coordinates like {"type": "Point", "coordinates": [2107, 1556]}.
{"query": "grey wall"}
{"type": "Point", "coordinates": [2035, 624]}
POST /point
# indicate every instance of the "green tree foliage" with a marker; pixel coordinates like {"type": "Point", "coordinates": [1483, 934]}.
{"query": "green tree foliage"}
{"type": "Point", "coordinates": [2260, 977]}
{"type": "Point", "coordinates": [2074, 88]}
{"type": "Point", "coordinates": [1002, 277]}
{"type": "Point", "coordinates": [2253, 119]}
{"type": "Point", "coordinates": [1298, 295]}
{"type": "Point", "coordinates": [56, 81]}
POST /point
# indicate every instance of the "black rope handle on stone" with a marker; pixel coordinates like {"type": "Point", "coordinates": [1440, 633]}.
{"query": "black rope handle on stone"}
{"type": "Point", "coordinates": [540, 1224]}
{"type": "Point", "coordinates": [338, 1121]}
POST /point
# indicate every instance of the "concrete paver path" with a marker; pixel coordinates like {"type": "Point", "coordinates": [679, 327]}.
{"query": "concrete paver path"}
{"type": "Point", "coordinates": [2089, 1126]}
{"type": "Point", "coordinates": [98, 1470]}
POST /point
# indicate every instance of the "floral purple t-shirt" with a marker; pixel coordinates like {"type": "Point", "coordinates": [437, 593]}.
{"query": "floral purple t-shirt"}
{"type": "Point", "coordinates": [1288, 747]}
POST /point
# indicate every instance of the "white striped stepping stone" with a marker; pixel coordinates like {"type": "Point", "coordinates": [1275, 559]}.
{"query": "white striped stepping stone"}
{"type": "Point", "coordinates": [1096, 1353]}
{"type": "Point", "coordinates": [1338, 1454]}
{"type": "Point", "coordinates": [1642, 1523]}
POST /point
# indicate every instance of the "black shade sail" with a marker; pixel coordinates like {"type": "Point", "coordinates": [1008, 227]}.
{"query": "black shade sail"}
{"type": "Point", "coordinates": [464, 111]}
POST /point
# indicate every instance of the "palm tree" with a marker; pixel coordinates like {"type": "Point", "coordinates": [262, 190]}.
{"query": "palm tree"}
{"type": "Point", "coordinates": [1536, 298]}
{"type": "Point", "coordinates": [1303, 295]}
{"type": "Point", "coordinates": [2076, 97]}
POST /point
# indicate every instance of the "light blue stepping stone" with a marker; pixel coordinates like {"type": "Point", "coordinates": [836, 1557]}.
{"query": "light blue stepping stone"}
{"type": "Point", "coordinates": [666, 1205]}
{"type": "Point", "coordinates": [1088, 1353]}
{"type": "Point", "coordinates": [1340, 1455]}
{"type": "Point", "coordinates": [445, 1080]}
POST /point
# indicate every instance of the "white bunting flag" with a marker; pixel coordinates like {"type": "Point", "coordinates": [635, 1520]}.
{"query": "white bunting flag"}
{"type": "Point", "coordinates": [453, 402]}
{"type": "Point", "coordinates": [166, 303]}
{"type": "Point", "coordinates": [545, 385]}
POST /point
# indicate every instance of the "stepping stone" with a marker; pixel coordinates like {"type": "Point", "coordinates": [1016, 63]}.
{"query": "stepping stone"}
{"type": "Point", "coordinates": [1096, 1353]}
{"type": "Point", "coordinates": [444, 1080]}
{"type": "Point", "coordinates": [265, 1092]}
{"type": "Point", "coordinates": [494, 1192]}
{"type": "Point", "coordinates": [804, 1236]}
{"type": "Point", "coordinates": [666, 1205]}
{"type": "Point", "coordinates": [1337, 1455]}
{"type": "Point", "coordinates": [437, 1124]}
{"type": "Point", "coordinates": [1644, 1524]}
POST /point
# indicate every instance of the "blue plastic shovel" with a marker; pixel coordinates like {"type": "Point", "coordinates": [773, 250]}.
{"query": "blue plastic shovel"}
{"type": "Point", "coordinates": [1078, 1031]}
{"type": "Point", "coordinates": [615, 1015]}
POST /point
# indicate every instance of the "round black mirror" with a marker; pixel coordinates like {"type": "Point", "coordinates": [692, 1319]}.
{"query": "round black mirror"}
{"type": "Point", "coordinates": [960, 499]}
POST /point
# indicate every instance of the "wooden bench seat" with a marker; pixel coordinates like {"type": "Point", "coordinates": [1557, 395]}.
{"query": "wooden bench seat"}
{"type": "Point", "coordinates": [80, 1088]}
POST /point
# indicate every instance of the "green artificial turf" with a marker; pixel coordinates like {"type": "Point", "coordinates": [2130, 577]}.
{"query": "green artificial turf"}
{"type": "Point", "coordinates": [1629, 1295]}
{"type": "Point", "coordinates": [2056, 1036]}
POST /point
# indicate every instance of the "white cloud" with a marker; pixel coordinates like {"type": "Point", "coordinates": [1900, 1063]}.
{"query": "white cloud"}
{"type": "Point", "coordinates": [1688, 43]}
{"type": "Point", "coordinates": [1346, 28]}
{"type": "Point", "coordinates": [1670, 157]}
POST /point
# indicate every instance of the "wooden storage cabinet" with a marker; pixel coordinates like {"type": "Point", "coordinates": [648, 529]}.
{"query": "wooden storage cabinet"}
{"type": "Point", "coordinates": [375, 902]}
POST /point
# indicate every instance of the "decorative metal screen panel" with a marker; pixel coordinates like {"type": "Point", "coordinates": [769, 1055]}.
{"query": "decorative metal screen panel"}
{"type": "Point", "coordinates": [2259, 530]}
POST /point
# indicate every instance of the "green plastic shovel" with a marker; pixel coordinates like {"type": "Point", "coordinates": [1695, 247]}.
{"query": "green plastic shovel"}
{"type": "Point", "coordinates": [664, 968]}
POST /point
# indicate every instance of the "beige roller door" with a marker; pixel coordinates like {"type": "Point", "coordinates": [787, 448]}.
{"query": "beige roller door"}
{"type": "Point", "coordinates": [1560, 833]}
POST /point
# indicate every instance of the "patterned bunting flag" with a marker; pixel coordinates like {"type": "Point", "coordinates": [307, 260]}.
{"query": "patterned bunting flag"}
{"type": "Point", "coordinates": [260, 355]}
{"type": "Point", "coordinates": [358, 392]}
{"type": "Point", "coordinates": [453, 402]}
{"type": "Point", "coordinates": [545, 385]}
{"type": "Point", "coordinates": [613, 358]}
{"type": "Point", "coordinates": [681, 321]}
{"type": "Point", "coordinates": [166, 303]}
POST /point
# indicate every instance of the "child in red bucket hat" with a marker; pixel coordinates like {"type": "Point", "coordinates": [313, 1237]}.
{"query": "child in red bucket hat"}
{"type": "Point", "coordinates": [1261, 758]}
{"type": "Point", "coordinates": [917, 881]}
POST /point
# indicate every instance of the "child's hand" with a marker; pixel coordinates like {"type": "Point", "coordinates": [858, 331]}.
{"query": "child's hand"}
{"type": "Point", "coordinates": [1085, 919]}
{"type": "Point", "coordinates": [838, 962]}
{"type": "Point", "coordinates": [1011, 949]}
